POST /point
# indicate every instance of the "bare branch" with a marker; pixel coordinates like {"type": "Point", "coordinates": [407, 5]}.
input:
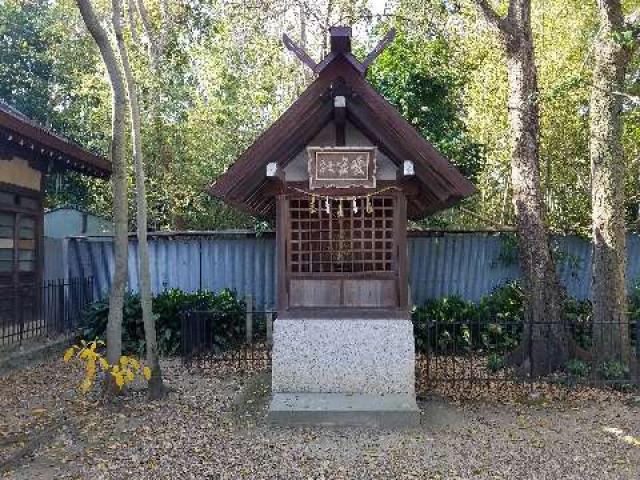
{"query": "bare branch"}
{"type": "Point", "coordinates": [632, 21]}
{"type": "Point", "coordinates": [511, 10]}
{"type": "Point", "coordinates": [148, 30]}
{"type": "Point", "coordinates": [325, 29]}
{"type": "Point", "coordinates": [308, 10]}
{"type": "Point", "coordinates": [146, 21]}
{"type": "Point", "coordinates": [482, 218]}
{"type": "Point", "coordinates": [157, 41]}
{"type": "Point", "coordinates": [156, 386]}
{"type": "Point", "coordinates": [165, 27]}
{"type": "Point", "coordinates": [96, 30]}
{"type": "Point", "coordinates": [119, 177]}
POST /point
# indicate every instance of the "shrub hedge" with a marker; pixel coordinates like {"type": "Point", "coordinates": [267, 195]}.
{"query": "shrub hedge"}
{"type": "Point", "coordinates": [494, 324]}
{"type": "Point", "coordinates": [168, 307]}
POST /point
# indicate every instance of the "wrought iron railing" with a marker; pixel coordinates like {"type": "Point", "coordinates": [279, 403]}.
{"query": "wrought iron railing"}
{"type": "Point", "coordinates": [491, 352]}
{"type": "Point", "coordinates": [487, 354]}
{"type": "Point", "coordinates": [53, 308]}
{"type": "Point", "coordinates": [209, 337]}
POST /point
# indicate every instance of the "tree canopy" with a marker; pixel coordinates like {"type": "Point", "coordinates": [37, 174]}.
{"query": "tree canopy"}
{"type": "Point", "coordinates": [224, 77]}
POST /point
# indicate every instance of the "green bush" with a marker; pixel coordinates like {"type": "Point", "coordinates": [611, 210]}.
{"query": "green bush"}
{"type": "Point", "coordinates": [96, 316]}
{"type": "Point", "coordinates": [495, 362]}
{"type": "Point", "coordinates": [505, 304]}
{"type": "Point", "coordinates": [168, 307]}
{"type": "Point", "coordinates": [495, 323]}
{"type": "Point", "coordinates": [614, 371]}
{"type": "Point", "coordinates": [452, 315]}
{"type": "Point", "coordinates": [450, 323]}
{"type": "Point", "coordinates": [578, 316]}
{"type": "Point", "coordinates": [577, 368]}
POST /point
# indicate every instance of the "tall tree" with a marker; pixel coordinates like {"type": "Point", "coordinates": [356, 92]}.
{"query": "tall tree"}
{"type": "Point", "coordinates": [156, 387]}
{"type": "Point", "coordinates": [546, 341]}
{"type": "Point", "coordinates": [119, 177]}
{"type": "Point", "coordinates": [612, 51]}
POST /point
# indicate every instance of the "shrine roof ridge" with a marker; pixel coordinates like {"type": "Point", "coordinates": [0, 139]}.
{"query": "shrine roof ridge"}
{"type": "Point", "coordinates": [437, 183]}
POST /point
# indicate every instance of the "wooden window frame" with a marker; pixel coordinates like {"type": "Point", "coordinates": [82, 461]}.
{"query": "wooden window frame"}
{"type": "Point", "coordinates": [13, 277]}
{"type": "Point", "coordinates": [367, 241]}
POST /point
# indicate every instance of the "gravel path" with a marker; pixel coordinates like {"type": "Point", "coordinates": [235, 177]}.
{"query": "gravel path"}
{"type": "Point", "coordinates": [212, 426]}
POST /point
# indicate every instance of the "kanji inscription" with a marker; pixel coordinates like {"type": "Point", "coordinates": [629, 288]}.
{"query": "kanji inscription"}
{"type": "Point", "coordinates": [342, 167]}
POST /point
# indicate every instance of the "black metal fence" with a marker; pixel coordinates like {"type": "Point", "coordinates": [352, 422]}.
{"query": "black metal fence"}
{"type": "Point", "coordinates": [495, 352]}
{"type": "Point", "coordinates": [209, 338]}
{"type": "Point", "coordinates": [487, 354]}
{"type": "Point", "coordinates": [53, 308]}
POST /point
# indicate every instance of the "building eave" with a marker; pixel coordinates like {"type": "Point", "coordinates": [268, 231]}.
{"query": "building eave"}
{"type": "Point", "coordinates": [26, 136]}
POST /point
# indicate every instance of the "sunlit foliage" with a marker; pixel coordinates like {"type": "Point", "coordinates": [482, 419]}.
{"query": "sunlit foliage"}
{"type": "Point", "coordinates": [225, 76]}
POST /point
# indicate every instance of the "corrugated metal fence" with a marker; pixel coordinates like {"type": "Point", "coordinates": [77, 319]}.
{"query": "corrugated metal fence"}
{"type": "Point", "coordinates": [441, 263]}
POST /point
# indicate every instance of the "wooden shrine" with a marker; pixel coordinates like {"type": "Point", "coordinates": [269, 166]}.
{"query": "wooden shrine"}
{"type": "Point", "coordinates": [341, 171]}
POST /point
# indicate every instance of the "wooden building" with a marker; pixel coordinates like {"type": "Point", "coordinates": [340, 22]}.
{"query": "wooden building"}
{"type": "Point", "coordinates": [29, 152]}
{"type": "Point", "coordinates": [341, 172]}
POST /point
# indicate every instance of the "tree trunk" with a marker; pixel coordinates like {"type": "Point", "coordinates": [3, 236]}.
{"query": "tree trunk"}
{"type": "Point", "coordinates": [545, 345]}
{"type": "Point", "coordinates": [156, 387]}
{"type": "Point", "coordinates": [118, 178]}
{"type": "Point", "coordinates": [325, 34]}
{"type": "Point", "coordinates": [608, 291]}
{"type": "Point", "coordinates": [157, 42]}
{"type": "Point", "coordinates": [133, 24]}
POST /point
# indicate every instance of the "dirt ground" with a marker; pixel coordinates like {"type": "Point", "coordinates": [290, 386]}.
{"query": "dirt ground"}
{"type": "Point", "coordinates": [212, 425]}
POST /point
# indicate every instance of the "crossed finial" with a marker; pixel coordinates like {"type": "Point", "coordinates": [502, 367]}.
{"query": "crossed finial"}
{"type": "Point", "coordinates": [340, 43]}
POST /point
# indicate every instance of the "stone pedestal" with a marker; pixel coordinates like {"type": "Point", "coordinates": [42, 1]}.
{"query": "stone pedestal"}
{"type": "Point", "coordinates": [343, 372]}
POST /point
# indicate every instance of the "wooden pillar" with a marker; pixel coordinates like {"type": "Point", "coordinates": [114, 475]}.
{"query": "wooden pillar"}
{"type": "Point", "coordinates": [400, 233]}
{"type": "Point", "coordinates": [282, 234]}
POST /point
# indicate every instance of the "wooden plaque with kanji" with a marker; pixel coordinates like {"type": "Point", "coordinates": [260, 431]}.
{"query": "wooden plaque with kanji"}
{"type": "Point", "coordinates": [342, 167]}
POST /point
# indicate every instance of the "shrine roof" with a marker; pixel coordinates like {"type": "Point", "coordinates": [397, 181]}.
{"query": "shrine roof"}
{"type": "Point", "coordinates": [28, 137]}
{"type": "Point", "coordinates": [437, 184]}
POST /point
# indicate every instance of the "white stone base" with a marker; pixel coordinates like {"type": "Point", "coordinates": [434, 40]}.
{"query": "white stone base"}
{"type": "Point", "coordinates": [343, 372]}
{"type": "Point", "coordinates": [337, 409]}
{"type": "Point", "coordinates": [345, 356]}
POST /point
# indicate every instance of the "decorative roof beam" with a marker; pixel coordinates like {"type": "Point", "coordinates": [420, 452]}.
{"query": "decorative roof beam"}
{"type": "Point", "coordinates": [379, 48]}
{"type": "Point", "coordinates": [408, 168]}
{"type": "Point", "coordinates": [275, 177]}
{"type": "Point", "coordinates": [299, 52]}
{"type": "Point", "coordinates": [406, 177]}
{"type": "Point", "coordinates": [340, 46]}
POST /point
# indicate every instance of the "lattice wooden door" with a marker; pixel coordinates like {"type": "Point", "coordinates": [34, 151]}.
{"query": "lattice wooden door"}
{"type": "Point", "coordinates": [350, 242]}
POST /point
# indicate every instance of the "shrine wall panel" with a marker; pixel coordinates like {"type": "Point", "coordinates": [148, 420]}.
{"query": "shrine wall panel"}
{"type": "Point", "coordinates": [315, 293]}
{"type": "Point", "coordinates": [370, 293]}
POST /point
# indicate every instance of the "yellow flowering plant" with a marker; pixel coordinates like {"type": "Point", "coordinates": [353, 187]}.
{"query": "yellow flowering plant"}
{"type": "Point", "coordinates": [123, 372]}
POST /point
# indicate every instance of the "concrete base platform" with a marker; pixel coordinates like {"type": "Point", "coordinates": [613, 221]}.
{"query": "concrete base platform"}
{"type": "Point", "coordinates": [349, 356]}
{"type": "Point", "coordinates": [336, 409]}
